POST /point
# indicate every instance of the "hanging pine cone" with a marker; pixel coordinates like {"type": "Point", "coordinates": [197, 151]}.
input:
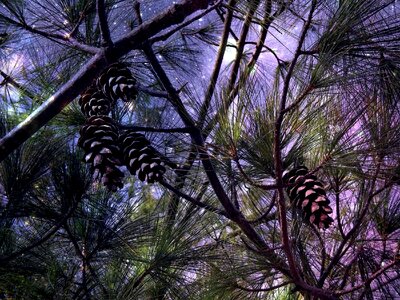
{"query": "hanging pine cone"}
{"type": "Point", "coordinates": [140, 157]}
{"type": "Point", "coordinates": [309, 195]}
{"type": "Point", "coordinates": [99, 140]}
{"type": "Point", "coordinates": [117, 82]}
{"type": "Point", "coordinates": [94, 103]}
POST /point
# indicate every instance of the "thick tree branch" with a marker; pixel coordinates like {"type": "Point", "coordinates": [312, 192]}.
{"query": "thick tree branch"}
{"type": "Point", "coordinates": [52, 106]}
{"type": "Point", "coordinates": [176, 14]}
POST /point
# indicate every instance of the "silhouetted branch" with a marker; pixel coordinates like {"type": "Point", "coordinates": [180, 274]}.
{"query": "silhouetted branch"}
{"type": "Point", "coordinates": [10, 80]}
{"type": "Point", "coordinates": [262, 289]}
{"type": "Point", "coordinates": [192, 200]}
{"type": "Point", "coordinates": [152, 129]}
{"type": "Point", "coordinates": [105, 30]}
{"type": "Point", "coordinates": [54, 36]}
{"type": "Point", "coordinates": [165, 36]}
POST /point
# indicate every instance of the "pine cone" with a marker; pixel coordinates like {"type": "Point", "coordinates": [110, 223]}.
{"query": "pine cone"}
{"type": "Point", "coordinates": [99, 140]}
{"type": "Point", "coordinates": [117, 82]}
{"type": "Point", "coordinates": [309, 195]}
{"type": "Point", "coordinates": [94, 103]}
{"type": "Point", "coordinates": [140, 157]}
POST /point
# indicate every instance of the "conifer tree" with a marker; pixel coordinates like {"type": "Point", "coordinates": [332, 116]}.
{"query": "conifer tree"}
{"type": "Point", "coordinates": [199, 149]}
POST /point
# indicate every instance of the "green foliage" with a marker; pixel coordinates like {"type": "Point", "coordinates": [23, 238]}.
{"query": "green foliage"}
{"type": "Point", "coordinates": [331, 104]}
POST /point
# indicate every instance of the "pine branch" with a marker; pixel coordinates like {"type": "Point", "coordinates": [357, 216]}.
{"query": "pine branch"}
{"type": "Point", "coordinates": [193, 200]}
{"type": "Point", "coordinates": [373, 277]}
{"type": "Point", "coordinates": [10, 80]}
{"type": "Point", "coordinates": [181, 173]}
{"type": "Point", "coordinates": [92, 69]}
{"type": "Point", "coordinates": [152, 92]}
{"type": "Point", "coordinates": [168, 86]}
{"type": "Point", "coordinates": [67, 38]}
{"type": "Point", "coordinates": [278, 170]}
{"type": "Point", "coordinates": [105, 30]}
{"type": "Point", "coordinates": [43, 239]}
{"type": "Point", "coordinates": [263, 289]}
{"type": "Point", "coordinates": [232, 212]}
{"type": "Point", "coordinates": [240, 47]}
{"type": "Point", "coordinates": [340, 252]}
{"type": "Point", "coordinates": [79, 252]}
{"type": "Point", "coordinates": [168, 34]}
{"type": "Point", "coordinates": [232, 87]}
{"type": "Point", "coordinates": [217, 66]}
{"type": "Point", "coordinates": [266, 216]}
{"type": "Point", "coordinates": [152, 129]}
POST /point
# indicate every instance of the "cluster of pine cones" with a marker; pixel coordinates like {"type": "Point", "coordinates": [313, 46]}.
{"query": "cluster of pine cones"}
{"type": "Point", "coordinates": [308, 194]}
{"type": "Point", "coordinates": [107, 148]}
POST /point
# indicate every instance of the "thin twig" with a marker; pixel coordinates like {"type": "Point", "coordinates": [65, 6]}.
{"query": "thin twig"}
{"type": "Point", "coordinates": [82, 17]}
{"type": "Point", "coordinates": [266, 216]}
{"type": "Point", "coordinates": [168, 34]}
{"type": "Point", "coordinates": [193, 200]}
{"type": "Point", "coordinates": [54, 36]}
{"type": "Point", "coordinates": [299, 99]}
{"type": "Point", "coordinates": [151, 92]}
{"type": "Point", "coordinates": [337, 201]}
{"type": "Point", "coordinates": [251, 181]}
{"type": "Point", "coordinates": [136, 7]}
{"type": "Point", "coordinates": [153, 129]}
{"type": "Point", "coordinates": [10, 80]}
{"type": "Point", "coordinates": [221, 16]}
{"type": "Point", "coordinates": [263, 289]}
